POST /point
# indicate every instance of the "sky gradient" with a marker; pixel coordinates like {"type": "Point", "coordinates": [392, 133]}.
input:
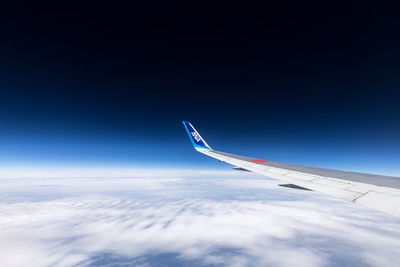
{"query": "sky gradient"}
{"type": "Point", "coordinates": [96, 168]}
{"type": "Point", "coordinates": [109, 86]}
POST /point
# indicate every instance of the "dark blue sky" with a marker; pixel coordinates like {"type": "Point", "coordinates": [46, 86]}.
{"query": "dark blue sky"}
{"type": "Point", "coordinates": [109, 86]}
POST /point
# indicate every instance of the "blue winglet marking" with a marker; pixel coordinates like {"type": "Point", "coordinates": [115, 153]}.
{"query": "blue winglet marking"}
{"type": "Point", "coordinates": [194, 136]}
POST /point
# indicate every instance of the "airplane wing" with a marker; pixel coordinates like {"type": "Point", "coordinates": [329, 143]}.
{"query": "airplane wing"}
{"type": "Point", "coordinates": [378, 192]}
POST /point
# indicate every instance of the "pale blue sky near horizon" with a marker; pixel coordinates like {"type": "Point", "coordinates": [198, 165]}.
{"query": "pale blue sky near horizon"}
{"type": "Point", "coordinates": [174, 150]}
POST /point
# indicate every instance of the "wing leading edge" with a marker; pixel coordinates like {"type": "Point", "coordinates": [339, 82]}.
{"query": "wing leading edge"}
{"type": "Point", "coordinates": [378, 192]}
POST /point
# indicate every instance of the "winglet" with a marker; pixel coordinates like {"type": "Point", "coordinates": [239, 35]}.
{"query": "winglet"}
{"type": "Point", "coordinates": [197, 140]}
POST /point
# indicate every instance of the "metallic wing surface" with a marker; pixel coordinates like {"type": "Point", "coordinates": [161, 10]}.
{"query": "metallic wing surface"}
{"type": "Point", "coordinates": [378, 192]}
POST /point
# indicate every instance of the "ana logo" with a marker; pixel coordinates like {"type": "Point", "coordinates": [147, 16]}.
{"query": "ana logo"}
{"type": "Point", "coordinates": [196, 136]}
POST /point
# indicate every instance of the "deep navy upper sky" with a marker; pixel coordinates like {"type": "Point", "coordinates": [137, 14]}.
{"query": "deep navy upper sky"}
{"type": "Point", "coordinates": [109, 85]}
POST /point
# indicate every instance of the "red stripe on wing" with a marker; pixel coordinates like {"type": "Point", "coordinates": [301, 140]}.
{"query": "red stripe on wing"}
{"type": "Point", "coordinates": [258, 160]}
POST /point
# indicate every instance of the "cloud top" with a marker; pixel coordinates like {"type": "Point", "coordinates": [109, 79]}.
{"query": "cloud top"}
{"type": "Point", "coordinates": [202, 219]}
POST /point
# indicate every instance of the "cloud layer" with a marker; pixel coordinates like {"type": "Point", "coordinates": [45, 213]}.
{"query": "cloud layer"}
{"type": "Point", "coordinates": [212, 218]}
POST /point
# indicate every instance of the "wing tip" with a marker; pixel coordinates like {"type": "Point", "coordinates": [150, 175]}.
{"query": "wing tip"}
{"type": "Point", "coordinates": [197, 141]}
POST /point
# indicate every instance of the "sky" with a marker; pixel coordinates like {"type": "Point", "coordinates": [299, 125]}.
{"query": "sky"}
{"type": "Point", "coordinates": [109, 85]}
{"type": "Point", "coordinates": [96, 168]}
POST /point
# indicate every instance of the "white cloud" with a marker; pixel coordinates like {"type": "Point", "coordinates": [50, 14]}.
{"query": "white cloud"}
{"type": "Point", "coordinates": [236, 222]}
